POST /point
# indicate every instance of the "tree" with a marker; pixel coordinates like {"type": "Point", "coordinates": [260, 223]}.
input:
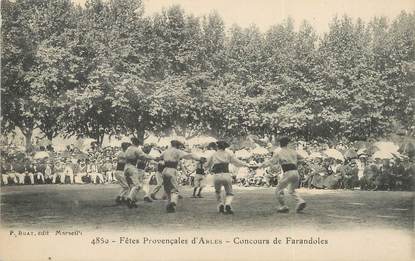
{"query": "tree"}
{"type": "Point", "coordinates": [27, 29]}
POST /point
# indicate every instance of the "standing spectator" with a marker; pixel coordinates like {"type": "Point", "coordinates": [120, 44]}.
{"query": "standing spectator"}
{"type": "Point", "coordinates": [361, 165]}
{"type": "Point", "coordinates": [398, 172]}
{"type": "Point", "coordinates": [77, 175]}
{"type": "Point", "coordinates": [108, 170]}
{"type": "Point", "coordinates": [409, 174]}
{"type": "Point", "coordinates": [351, 175]}
{"type": "Point", "coordinates": [318, 173]}
{"type": "Point", "coordinates": [7, 173]}
{"type": "Point", "coordinates": [48, 173]}
{"type": "Point", "coordinates": [4, 173]}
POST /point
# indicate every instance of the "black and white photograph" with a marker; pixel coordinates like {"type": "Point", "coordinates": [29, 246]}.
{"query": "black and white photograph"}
{"type": "Point", "coordinates": [207, 130]}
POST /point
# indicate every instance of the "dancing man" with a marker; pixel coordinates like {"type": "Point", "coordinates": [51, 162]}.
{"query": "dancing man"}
{"type": "Point", "coordinates": [199, 180]}
{"type": "Point", "coordinates": [288, 159]}
{"type": "Point", "coordinates": [218, 164]}
{"type": "Point", "coordinates": [171, 158]}
{"type": "Point", "coordinates": [134, 175]}
{"type": "Point", "coordinates": [119, 174]}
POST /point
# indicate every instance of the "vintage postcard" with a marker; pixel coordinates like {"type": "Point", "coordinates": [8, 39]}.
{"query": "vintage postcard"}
{"type": "Point", "coordinates": [207, 130]}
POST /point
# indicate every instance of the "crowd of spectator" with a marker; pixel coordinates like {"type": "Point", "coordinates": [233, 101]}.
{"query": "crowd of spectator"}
{"type": "Point", "coordinates": [360, 169]}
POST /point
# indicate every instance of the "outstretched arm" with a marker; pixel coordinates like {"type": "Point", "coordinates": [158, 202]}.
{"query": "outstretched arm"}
{"type": "Point", "coordinates": [186, 155]}
{"type": "Point", "coordinates": [140, 154]}
{"type": "Point", "coordinates": [269, 162]}
{"type": "Point", "coordinates": [238, 162]}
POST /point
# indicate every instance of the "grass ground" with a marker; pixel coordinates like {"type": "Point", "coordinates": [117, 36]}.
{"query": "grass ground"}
{"type": "Point", "coordinates": [92, 206]}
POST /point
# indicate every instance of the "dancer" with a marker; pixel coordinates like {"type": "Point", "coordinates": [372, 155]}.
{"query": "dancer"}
{"type": "Point", "coordinates": [159, 179]}
{"type": "Point", "coordinates": [218, 164]}
{"type": "Point", "coordinates": [171, 158]}
{"type": "Point", "coordinates": [134, 175]}
{"type": "Point", "coordinates": [288, 159]}
{"type": "Point", "coordinates": [199, 180]}
{"type": "Point", "coordinates": [119, 174]}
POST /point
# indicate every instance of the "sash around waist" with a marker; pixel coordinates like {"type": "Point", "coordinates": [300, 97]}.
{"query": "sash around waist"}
{"type": "Point", "coordinates": [220, 168]}
{"type": "Point", "coordinates": [120, 166]}
{"type": "Point", "coordinates": [171, 164]}
{"type": "Point", "coordinates": [141, 164]}
{"type": "Point", "coordinates": [288, 167]}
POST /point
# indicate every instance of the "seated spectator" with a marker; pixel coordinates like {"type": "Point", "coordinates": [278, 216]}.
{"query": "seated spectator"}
{"type": "Point", "coordinates": [108, 170]}
{"type": "Point", "coordinates": [58, 172]}
{"type": "Point", "coordinates": [68, 172]}
{"type": "Point", "coordinates": [383, 177]}
{"type": "Point", "coordinates": [19, 171]}
{"type": "Point", "coordinates": [350, 179]}
{"type": "Point", "coordinates": [29, 174]}
{"type": "Point", "coordinates": [7, 175]}
{"type": "Point", "coordinates": [92, 171]}
{"type": "Point", "coordinates": [242, 176]}
{"type": "Point", "coordinates": [335, 175]}
{"type": "Point", "coordinates": [398, 172]}
{"type": "Point", "coordinates": [34, 174]}
{"type": "Point", "coordinates": [367, 182]}
{"type": "Point", "coordinates": [318, 173]}
{"type": "Point", "coordinates": [408, 178]}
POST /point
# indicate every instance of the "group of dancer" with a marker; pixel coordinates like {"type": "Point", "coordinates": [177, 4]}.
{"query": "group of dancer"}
{"type": "Point", "coordinates": [132, 161]}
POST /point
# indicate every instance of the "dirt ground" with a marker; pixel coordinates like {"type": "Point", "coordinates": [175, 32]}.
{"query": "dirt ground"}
{"type": "Point", "coordinates": [93, 207]}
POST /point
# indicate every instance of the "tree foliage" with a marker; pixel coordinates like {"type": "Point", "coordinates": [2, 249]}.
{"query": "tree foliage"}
{"type": "Point", "coordinates": [105, 68]}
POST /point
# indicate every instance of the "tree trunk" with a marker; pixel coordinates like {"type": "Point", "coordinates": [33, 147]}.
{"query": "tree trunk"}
{"type": "Point", "coordinates": [50, 137]}
{"type": "Point", "coordinates": [139, 133]}
{"type": "Point", "coordinates": [100, 139]}
{"type": "Point", "coordinates": [28, 139]}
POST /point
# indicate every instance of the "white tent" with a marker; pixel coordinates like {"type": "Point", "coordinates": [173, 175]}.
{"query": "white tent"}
{"type": "Point", "coordinates": [387, 146]}
{"type": "Point", "coordinates": [315, 155]}
{"type": "Point", "coordinates": [382, 155]}
{"type": "Point", "coordinates": [303, 153]}
{"type": "Point", "coordinates": [276, 150]}
{"type": "Point", "coordinates": [201, 140]}
{"type": "Point", "coordinates": [41, 155]}
{"type": "Point", "coordinates": [154, 153]}
{"type": "Point", "coordinates": [335, 154]}
{"type": "Point", "coordinates": [243, 154]}
{"type": "Point", "coordinates": [151, 139]}
{"type": "Point", "coordinates": [260, 151]}
{"type": "Point", "coordinates": [164, 141]}
{"type": "Point", "coordinates": [208, 153]}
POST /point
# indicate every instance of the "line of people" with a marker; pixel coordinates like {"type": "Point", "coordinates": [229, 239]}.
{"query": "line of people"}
{"type": "Point", "coordinates": [132, 161]}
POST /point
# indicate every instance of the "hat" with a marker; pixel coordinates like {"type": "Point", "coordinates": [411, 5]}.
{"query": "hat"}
{"type": "Point", "coordinates": [222, 144]}
{"type": "Point", "coordinates": [177, 144]}
{"type": "Point", "coordinates": [284, 141]}
{"type": "Point", "coordinates": [212, 146]}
